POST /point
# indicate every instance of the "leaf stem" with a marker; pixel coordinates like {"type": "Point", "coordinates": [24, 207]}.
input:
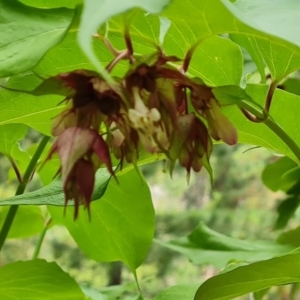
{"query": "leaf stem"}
{"type": "Point", "coordinates": [275, 127]}
{"type": "Point", "coordinates": [21, 188]}
{"type": "Point", "coordinates": [270, 94]}
{"type": "Point", "coordinates": [41, 239]}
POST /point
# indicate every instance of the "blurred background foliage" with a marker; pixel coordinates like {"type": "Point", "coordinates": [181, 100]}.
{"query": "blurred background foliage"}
{"type": "Point", "coordinates": [237, 205]}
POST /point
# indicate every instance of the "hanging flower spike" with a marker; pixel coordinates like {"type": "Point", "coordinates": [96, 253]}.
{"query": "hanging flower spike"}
{"type": "Point", "coordinates": [75, 147]}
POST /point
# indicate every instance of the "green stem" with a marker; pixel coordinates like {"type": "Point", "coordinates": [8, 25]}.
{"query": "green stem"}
{"type": "Point", "coordinates": [21, 188]}
{"type": "Point", "coordinates": [276, 128]}
{"type": "Point", "coordinates": [41, 239]}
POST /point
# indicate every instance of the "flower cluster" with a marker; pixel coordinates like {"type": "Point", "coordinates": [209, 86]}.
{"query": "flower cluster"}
{"type": "Point", "coordinates": [155, 106]}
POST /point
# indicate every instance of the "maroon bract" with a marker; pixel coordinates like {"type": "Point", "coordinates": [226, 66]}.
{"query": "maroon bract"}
{"type": "Point", "coordinates": [76, 147]}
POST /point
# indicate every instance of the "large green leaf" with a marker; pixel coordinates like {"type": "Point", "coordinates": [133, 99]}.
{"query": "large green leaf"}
{"type": "Point", "coordinates": [121, 226]}
{"type": "Point", "coordinates": [279, 19]}
{"type": "Point", "coordinates": [205, 246]}
{"type": "Point", "coordinates": [193, 21]}
{"type": "Point", "coordinates": [178, 292]}
{"type": "Point", "coordinates": [26, 33]}
{"type": "Point", "coordinates": [254, 277]}
{"type": "Point", "coordinates": [52, 194]}
{"type": "Point", "coordinates": [30, 215]}
{"type": "Point", "coordinates": [36, 280]}
{"type": "Point", "coordinates": [96, 13]}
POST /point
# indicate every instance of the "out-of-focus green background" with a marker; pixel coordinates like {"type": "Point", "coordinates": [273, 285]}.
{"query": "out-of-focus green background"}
{"type": "Point", "coordinates": [237, 205]}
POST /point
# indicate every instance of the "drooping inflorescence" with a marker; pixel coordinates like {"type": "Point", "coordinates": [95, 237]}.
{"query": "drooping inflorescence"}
{"type": "Point", "coordinates": [155, 106]}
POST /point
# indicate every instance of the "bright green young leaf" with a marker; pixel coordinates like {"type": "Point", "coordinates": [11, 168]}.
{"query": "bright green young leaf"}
{"type": "Point", "coordinates": [121, 226]}
{"type": "Point", "coordinates": [272, 174]}
{"type": "Point", "coordinates": [178, 292]}
{"type": "Point", "coordinates": [52, 194]}
{"type": "Point", "coordinates": [27, 33]}
{"type": "Point", "coordinates": [254, 277]}
{"type": "Point", "coordinates": [96, 13]}
{"type": "Point", "coordinates": [205, 246]}
{"type": "Point", "coordinates": [36, 280]}
{"type": "Point", "coordinates": [28, 221]}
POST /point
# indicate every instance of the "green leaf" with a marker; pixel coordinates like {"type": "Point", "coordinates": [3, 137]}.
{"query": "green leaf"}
{"type": "Point", "coordinates": [10, 135]}
{"type": "Point", "coordinates": [121, 226]}
{"type": "Point", "coordinates": [278, 19]}
{"type": "Point", "coordinates": [178, 292]}
{"type": "Point", "coordinates": [35, 112]}
{"type": "Point", "coordinates": [249, 43]}
{"type": "Point", "coordinates": [37, 279]}
{"type": "Point", "coordinates": [30, 215]}
{"type": "Point", "coordinates": [52, 194]}
{"type": "Point", "coordinates": [254, 277]}
{"type": "Point", "coordinates": [230, 94]}
{"type": "Point", "coordinates": [286, 209]}
{"type": "Point", "coordinates": [290, 237]}
{"type": "Point", "coordinates": [273, 172]}
{"type": "Point", "coordinates": [27, 33]}
{"type": "Point", "coordinates": [95, 14]}
{"type": "Point", "coordinates": [205, 246]}
{"type": "Point", "coordinates": [217, 61]}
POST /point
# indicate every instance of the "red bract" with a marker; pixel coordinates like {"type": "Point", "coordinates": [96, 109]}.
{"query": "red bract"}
{"type": "Point", "coordinates": [76, 147]}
